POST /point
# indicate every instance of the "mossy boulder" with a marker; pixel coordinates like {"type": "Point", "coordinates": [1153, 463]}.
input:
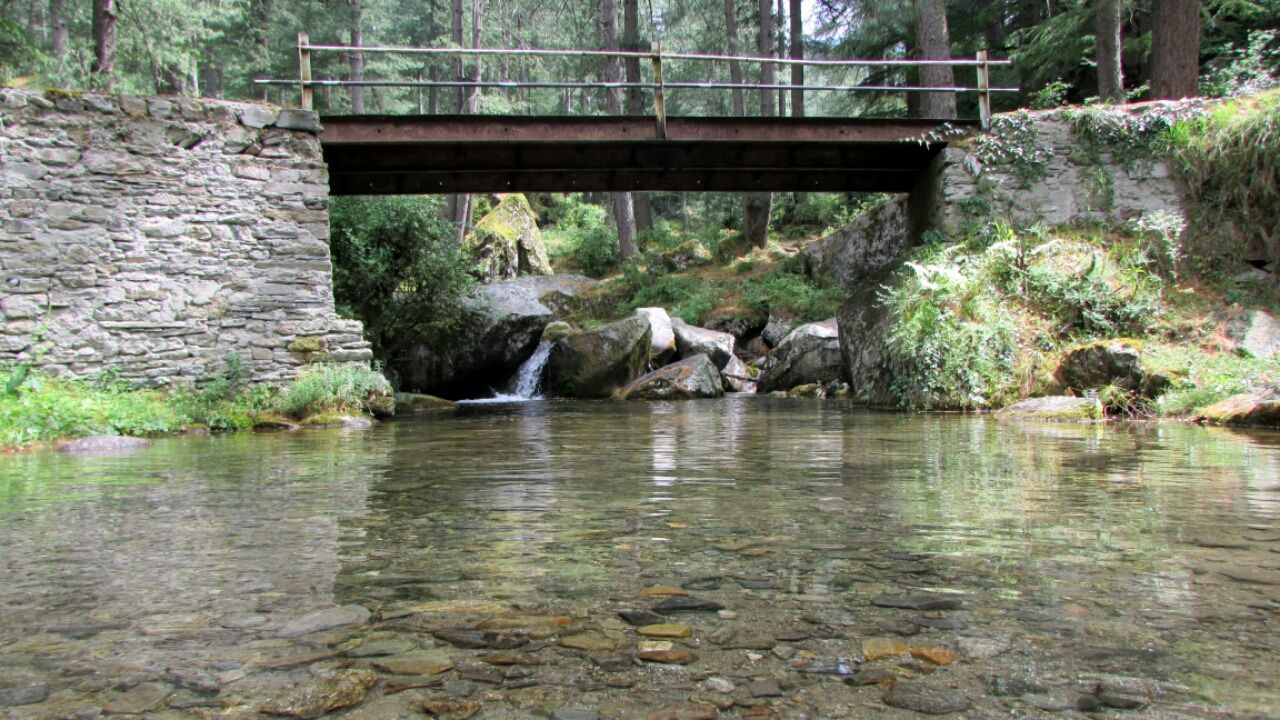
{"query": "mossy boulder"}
{"type": "Point", "coordinates": [506, 242]}
{"type": "Point", "coordinates": [687, 254]}
{"type": "Point", "coordinates": [1106, 363]}
{"type": "Point", "coordinates": [695, 377]}
{"type": "Point", "coordinates": [809, 354]}
{"type": "Point", "coordinates": [1254, 408]}
{"type": "Point", "coordinates": [1056, 407]}
{"type": "Point", "coordinates": [557, 330]}
{"type": "Point", "coordinates": [597, 363]}
{"type": "Point", "coordinates": [413, 403]}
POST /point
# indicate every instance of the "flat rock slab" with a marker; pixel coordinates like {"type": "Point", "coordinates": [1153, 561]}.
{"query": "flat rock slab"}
{"type": "Point", "coordinates": [326, 619]}
{"type": "Point", "coordinates": [922, 602]}
{"type": "Point", "coordinates": [641, 617]}
{"type": "Point", "coordinates": [30, 695]}
{"type": "Point", "coordinates": [665, 630]}
{"type": "Point", "coordinates": [417, 662]}
{"type": "Point", "coordinates": [317, 697]}
{"type": "Point", "coordinates": [589, 641]}
{"type": "Point", "coordinates": [686, 604]}
{"type": "Point", "coordinates": [480, 639]}
{"type": "Point", "coordinates": [927, 698]}
{"type": "Point", "coordinates": [103, 445]}
{"type": "Point", "coordinates": [138, 699]}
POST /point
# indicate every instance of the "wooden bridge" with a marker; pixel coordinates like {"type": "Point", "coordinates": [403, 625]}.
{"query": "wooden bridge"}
{"type": "Point", "coordinates": [419, 154]}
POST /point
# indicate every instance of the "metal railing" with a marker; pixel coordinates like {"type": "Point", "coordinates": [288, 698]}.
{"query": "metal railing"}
{"type": "Point", "coordinates": [307, 84]}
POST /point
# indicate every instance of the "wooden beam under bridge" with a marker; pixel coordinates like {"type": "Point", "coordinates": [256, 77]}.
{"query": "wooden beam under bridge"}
{"type": "Point", "coordinates": [469, 153]}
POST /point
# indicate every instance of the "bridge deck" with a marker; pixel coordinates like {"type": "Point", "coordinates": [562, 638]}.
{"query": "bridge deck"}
{"type": "Point", "coordinates": [473, 153]}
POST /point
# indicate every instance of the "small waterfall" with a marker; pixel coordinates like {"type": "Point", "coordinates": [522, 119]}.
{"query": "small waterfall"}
{"type": "Point", "coordinates": [530, 372]}
{"type": "Point", "coordinates": [526, 379]}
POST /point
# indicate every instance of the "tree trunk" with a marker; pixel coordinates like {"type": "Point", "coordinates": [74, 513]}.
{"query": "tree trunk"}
{"type": "Point", "coordinates": [735, 67]}
{"type": "Point", "coordinates": [1175, 49]}
{"type": "Point", "coordinates": [357, 58]}
{"type": "Point", "coordinates": [104, 42]}
{"type": "Point", "coordinates": [433, 92]}
{"type": "Point", "coordinates": [261, 64]}
{"type": "Point", "coordinates": [1109, 42]}
{"type": "Point", "coordinates": [36, 21]}
{"type": "Point", "coordinates": [459, 93]}
{"type": "Point", "coordinates": [624, 215]}
{"type": "Point", "coordinates": [477, 25]}
{"type": "Point", "coordinates": [58, 21]}
{"type": "Point", "coordinates": [797, 53]}
{"type": "Point", "coordinates": [764, 44]}
{"type": "Point", "coordinates": [933, 43]}
{"type": "Point", "coordinates": [635, 100]}
{"type": "Point", "coordinates": [756, 206]}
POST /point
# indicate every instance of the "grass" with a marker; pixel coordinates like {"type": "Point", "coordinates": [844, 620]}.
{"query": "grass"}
{"type": "Point", "coordinates": [37, 407]}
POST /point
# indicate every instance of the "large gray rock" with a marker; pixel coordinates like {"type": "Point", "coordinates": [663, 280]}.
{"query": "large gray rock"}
{"type": "Point", "coordinates": [1256, 334]}
{"type": "Point", "coordinates": [867, 246]}
{"type": "Point", "coordinates": [737, 377]}
{"type": "Point", "coordinates": [777, 328]}
{"type": "Point", "coordinates": [695, 377]}
{"type": "Point", "coordinates": [692, 340]}
{"type": "Point", "coordinates": [1110, 362]}
{"type": "Point", "coordinates": [510, 318]}
{"type": "Point", "coordinates": [506, 242]}
{"type": "Point", "coordinates": [687, 254]}
{"type": "Point", "coordinates": [809, 354]}
{"type": "Point", "coordinates": [1251, 408]}
{"type": "Point", "coordinates": [597, 363]}
{"type": "Point", "coordinates": [663, 340]}
{"type": "Point", "coordinates": [863, 325]}
{"type": "Point", "coordinates": [326, 619]}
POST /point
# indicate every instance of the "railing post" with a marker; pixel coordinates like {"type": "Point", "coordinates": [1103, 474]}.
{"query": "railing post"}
{"type": "Point", "coordinates": [659, 103]}
{"type": "Point", "coordinates": [304, 72]}
{"type": "Point", "coordinates": [984, 91]}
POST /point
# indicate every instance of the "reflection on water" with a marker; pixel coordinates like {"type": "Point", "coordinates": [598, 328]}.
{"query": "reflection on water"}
{"type": "Point", "coordinates": [1145, 552]}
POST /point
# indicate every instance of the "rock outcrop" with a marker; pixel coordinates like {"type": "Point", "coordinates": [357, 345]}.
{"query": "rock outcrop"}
{"type": "Point", "coordinates": [1252, 408]}
{"type": "Point", "coordinates": [867, 246]}
{"type": "Point", "coordinates": [663, 338]}
{"type": "Point", "coordinates": [1110, 362]}
{"type": "Point", "coordinates": [1055, 407]}
{"type": "Point", "coordinates": [597, 363]}
{"type": "Point", "coordinates": [808, 354]}
{"type": "Point", "coordinates": [1256, 334]}
{"type": "Point", "coordinates": [694, 377]}
{"type": "Point", "coordinates": [506, 242]}
{"type": "Point", "coordinates": [740, 322]}
{"type": "Point", "coordinates": [687, 254]}
{"type": "Point", "coordinates": [510, 318]}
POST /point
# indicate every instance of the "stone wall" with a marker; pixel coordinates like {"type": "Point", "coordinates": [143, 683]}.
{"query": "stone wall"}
{"type": "Point", "coordinates": [153, 237]}
{"type": "Point", "coordinates": [1056, 167]}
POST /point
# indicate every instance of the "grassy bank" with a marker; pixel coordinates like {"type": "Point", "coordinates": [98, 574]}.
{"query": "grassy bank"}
{"type": "Point", "coordinates": [37, 408]}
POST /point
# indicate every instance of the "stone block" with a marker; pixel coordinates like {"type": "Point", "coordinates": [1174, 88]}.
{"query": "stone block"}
{"type": "Point", "coordinates": [257, 116]}
{"type": "Point", "coordinates": [294, 119]}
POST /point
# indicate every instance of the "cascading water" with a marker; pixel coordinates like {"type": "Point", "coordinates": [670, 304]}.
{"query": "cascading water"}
{"type": "Point", "coordinates": [530, 372]}
{"type": "Point", "coordinates": [527, 378]}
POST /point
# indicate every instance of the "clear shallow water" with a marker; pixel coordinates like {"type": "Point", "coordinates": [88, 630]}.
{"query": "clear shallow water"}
{"type": "Point", "coordinates": [1142, 560]}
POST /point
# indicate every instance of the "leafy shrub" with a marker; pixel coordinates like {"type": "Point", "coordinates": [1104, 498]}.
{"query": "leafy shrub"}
{"type": "Point", "coordinates": [791, 294]}
{"type": "Point", "coordinates": [334, 388]}
{"type": "Point", "coordinates": [397, 268]}
{"type": "Point", "coordinates": [685, 297]}
{"type": "Point", "coordinates": [1052, 95]}
{"type": "Point", "coordinates": [1247, 70]}
{"type": "Point", "coordinates": [584, 237]}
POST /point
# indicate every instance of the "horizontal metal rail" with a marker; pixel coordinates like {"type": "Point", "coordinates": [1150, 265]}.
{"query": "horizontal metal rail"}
{"type": "Point", "coordinates": [306, 84]}
{"type": "Point", "coordinates": [510, 85]}
{"type": "Point", "coordinates": [558, 52]}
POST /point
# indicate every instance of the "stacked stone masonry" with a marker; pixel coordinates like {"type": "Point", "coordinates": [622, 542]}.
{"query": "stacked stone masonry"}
{"type": "Point", "coordinates": [1036, 168]}
{"type": "Point", "coordinates": [155, 237]}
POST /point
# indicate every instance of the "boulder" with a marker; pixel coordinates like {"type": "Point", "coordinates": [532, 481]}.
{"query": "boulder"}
{"type": "Point", "coordinates": [1055, 407]}
{"type": "Point", "coordinates": [1109, 362]}
{"type": "Point", "coordinates": [102, 445]}
{"type": "Point", "coordinates": [695, 377]}
{"type": "Point", "coordinates": [692, 340]}
{"type": "Point", "coordinates": [1254, 408]}
{"type": "Point", "coordinates": [865, 247]}
{"type": "Point", "coordinates": [737, 376]}
{"type": "Point", "coordinates": [414, 403]}
{"type": "Point", "coordinates": [864, 325]}
{"type": "Point", "coordinates": [808, 354]}
{"type": "Point", "coordinates": [687, 254]}
{"type": "Point", "coordinates": [597, 363]}
{"type": "Point", "coordinates": [1256, 334]}
{"type": "Point", "coordinates": [509, 320]}
{"type": "Point", "coordinates": [506, 242]}
{"type": "Point", "coordinates": [557, 330]}
{"type": "Point", "coordinates": [737, 320]}
{"type": "Point", "coordinates": [663, 341]}
{"type": "Point", "coordinates": [777, 327]}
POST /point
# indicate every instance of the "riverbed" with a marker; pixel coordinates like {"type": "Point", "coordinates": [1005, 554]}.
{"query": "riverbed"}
{"type": "Point", "coordinates": [751, 557]}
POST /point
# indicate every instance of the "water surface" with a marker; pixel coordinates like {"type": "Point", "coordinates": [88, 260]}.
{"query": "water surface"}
{"type": "Point", "coordinates": [1095, 567]}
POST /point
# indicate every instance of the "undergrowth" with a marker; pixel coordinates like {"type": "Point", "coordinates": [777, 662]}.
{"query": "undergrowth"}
{"type": "Point", "coordinates": [38, 407]}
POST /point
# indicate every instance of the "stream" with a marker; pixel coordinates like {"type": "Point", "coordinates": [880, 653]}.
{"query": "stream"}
{"type": "Point", "coordinates": [746, 557]}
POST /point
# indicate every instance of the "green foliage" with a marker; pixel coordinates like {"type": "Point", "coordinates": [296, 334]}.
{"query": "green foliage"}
{"type": "Point", "coordinates": [792, 294]}
{"type": "Point", "coordinates": [1014, 142]}
{"type": "Point", "coordinates": [806, 214]}
{"type": "Point", "coordinates": [396, 268]}
{"type": "Point", "coordinates": [1207, 377]}
{"type": "Point", "coordinates": [1052, 95]}
{"type": "Point", "coordinates": [951, 343]}
{"type": "Point", "coordinates": [1246, 70]}
{"type": "Point", "coordinates": [582, 235]}
{"type": "Point", "coordinates": [334, 388]}
{"type": "Point", "coordinates": [1230, 161]}
{"type": "Point", "coordinates": [684, 296]}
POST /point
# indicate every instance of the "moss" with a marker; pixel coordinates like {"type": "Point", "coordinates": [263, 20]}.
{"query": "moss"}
{"type": "Point", "coordinates": [309, 345]}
